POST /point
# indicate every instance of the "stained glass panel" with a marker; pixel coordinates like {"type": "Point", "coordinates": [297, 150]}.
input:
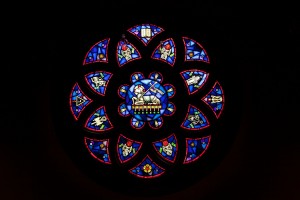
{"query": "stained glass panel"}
{"type": "Point", "coordinates": [127, 148]}
{"type": "Point", "coordinates": [145, 32]}
{"type": "Point", "coordinates": [215, 99]}
{"type": "Point", "coordinates": [194, 51]}
{"type": "Point", "coordinates": [126, 52]}
{"type": "Point", "coordinates": [78, 101]}
{"type": "Point", "coordinates": [98, 81]}
{"type": "Point", "coordinates": [194, 119]}
{"type": "Point", "coordinates": [167, 148]}
{"type": "Point", "coordinates": [195, 148]}
{"type": "Point", "coordinates": [194, 79]}
{"type": "Point", "coordinates": [98, 121]}
{"type": "Point", "coordinates": [147, 169]}
{"type": "Point", "coordinates": [165, 52]}
{"type": "Point", "coordinates": [98, 149]}
{"type": "Point", "coordinates": [97, 53]}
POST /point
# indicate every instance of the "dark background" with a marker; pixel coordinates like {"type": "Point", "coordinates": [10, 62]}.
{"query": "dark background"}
{"type": "Point", "coordinates": [263, 161]}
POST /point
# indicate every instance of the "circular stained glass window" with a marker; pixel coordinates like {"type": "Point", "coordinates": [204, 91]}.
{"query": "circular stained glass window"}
{"type": "Point", "coordinates": [145, 111]}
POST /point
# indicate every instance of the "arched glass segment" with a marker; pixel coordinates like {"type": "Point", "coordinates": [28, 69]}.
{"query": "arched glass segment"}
{"type": "Point", "coordinates": [194, 79]}
{"type": "Point", "coordinates": [97, 53]}
{"type": "Point", "coordinates": [126, 53]}
{"type": "Point", "coordinates": [147, 169]}
{"type": "Point", "coordinates": [98, 149]}
{"type": "Point", "coordinates": [165, 52]}
{"type": "Point", "coordinates": [78, 101]}
{"type": "Point", "coordinates": [194, 51]}
{"type": "Point", "coordinates": [215, 99]}
{"type": "Point", "coordinates": [98, 121]}
{"type": "Point", "coordinates": [167, 148]}
{"type": "Point", "coordinates": [195, 119]}
{"type": "Point", "coordinates": [195, 148]}
{"type": "Point", "coordinates": [98, 81]}
{"type": "Point", "coordinates": [145, 32]}
{"type": "Point", "coordinates": [127, 148]}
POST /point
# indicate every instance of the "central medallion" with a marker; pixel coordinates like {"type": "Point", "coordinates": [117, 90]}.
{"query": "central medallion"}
{"type": "Point", "coordinates": [146, 100]}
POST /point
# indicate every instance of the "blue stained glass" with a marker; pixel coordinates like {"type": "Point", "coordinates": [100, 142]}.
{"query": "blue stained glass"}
{"type": "Point", "coordinates": [123, 90]}
{"type": "Point", "coordinates": [156, 123]}
{"type": "Point", "coordinates": [98, 149]}
{"type": "Point", "coordinates": [195, 148]}
{"type": "Point", "coordinates": [156, 76]}
{"type": "Point", "coordinates": [170, 90]}
{"type": "Point", "coordinates": [137, 123]}
{"type": "Point", "coordinates": [153, 92]}
{"type": "Point", "coordinates": [194, 79]}
{"type": "Point", "coordinates": [98, 121]}
{"type": "Point", "coordinates": [136, 76]}
{"type": "Point", "coordinates": [145, 32]}
{"type": "Point", "coordinates": [167, 148]}
{"type": "Point", "coordinates": [195, 119]}
{"type": "Point", "coordinates": [147, 169]}
{"type": "Point", "coordinates": [123, 110]}
{"type": "Point", "coordinates": [78, 101]}
{"type": "Point", "coordinates": [127, 148]}
{"type": "Point", "coordinates": [215, 99]}
{"type": "Point", "coordinates": [126, 52]}
{"type": "Point", "coordinates": [98, 53]}
{"type": "Point", "coordinates": [170, 109]}
{"type": "Point", "coordinates": [165, 52]}
{"type": "Point", "coordinates": [194, 51]}
{"type": "Point", "coordinates": [98, 81]}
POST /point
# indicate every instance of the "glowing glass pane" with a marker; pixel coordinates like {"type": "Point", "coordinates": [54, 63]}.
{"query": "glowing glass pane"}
{"type": "Point", "coordinates": [78, 101]}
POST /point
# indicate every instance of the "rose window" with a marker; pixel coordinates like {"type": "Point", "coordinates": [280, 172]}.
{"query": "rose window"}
{"type": "Point", "coordinates": [145, 107]}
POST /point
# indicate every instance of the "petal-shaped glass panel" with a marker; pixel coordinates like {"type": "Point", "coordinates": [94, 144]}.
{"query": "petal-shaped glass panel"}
{"type": "Point", "coordinates": [147, 169]}
{"type": "Point", "coordinates": [145, 32]}
{"type": "Point", "coordinates": [98, 81]}
{"type": "Point", "coordinates": [170, 110]}
{"type": "Point", "coordinates": [167, 148]}
{"type": "Point", "coordinates": [99, 121]}
{"type": "Point", "coordinates": [194, 119]}
{"type": "Point", "coordinates": [165, 52]}
{"type": "Point", "coordinates": [195, 148]}
{"type": "Point", "coordinates": [97, 53]}
{"type": "Point", "coordinates": [127, 148]}
{"type": "Point", "coordinates": [156, 123]}
{"type": "Point", "coordinates": [126, 52]}
{"type": "Point", "coordinates": [215, 99]}
{"type": "Point", "coordinates": [194, 79]}
{"type": "Point", "coordinates": [98, 149]}
{"type": "Point", "coordinates": [78, 101]}
{"type": "Point", "coordinates": [194, 51]}
{"type": "Point", "coordinates": [170, 90]}
{"type": "Point", "coordinates": [136, 76]}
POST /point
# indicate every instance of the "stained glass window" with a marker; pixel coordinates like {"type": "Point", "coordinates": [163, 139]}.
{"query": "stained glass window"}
{"type": "Point", "coordinates": [146, 106]}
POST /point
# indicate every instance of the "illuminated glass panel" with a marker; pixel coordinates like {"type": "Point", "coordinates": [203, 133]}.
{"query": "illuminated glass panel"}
{"type": "Point", "coordinates": [194, 119]}
{"type": "Point", "coordinates": [215, 99]}
{"type": "Point", "coordinates": [167, 148]}
{"type": "Point", "coordinates": [194, 51]}
{"type": "Point", "coordinates": [97, 53]}
{"type": "Point", "coordinates": [165, 52]}
{"type": "Point", "coordinates": [99, 121]}
{"type": "Point", "coordinates": [127, 148]}
{"type": "Point", "coordinates": [194, 79]}
{"type": "Point", "coordinates": [78, 101]}
{"type": "Point", "coordinates": [145, 32]}
{"type": "Point", "coordinates": [147, 169]}
{"type": "Point", "coordinates": [126, 52]}
{"type": "Point", "coordinates": [98, 149]}
{"type": "Point", "coordinates": [195, 148]}
{"type": "Point", "coordinates": [98, 81]}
